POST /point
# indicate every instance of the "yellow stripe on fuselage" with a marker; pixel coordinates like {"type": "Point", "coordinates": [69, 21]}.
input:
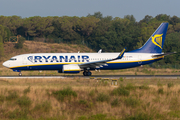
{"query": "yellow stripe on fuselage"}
{"type": "Point", "coordinates": [84, 62]}
{"type": "Point", "coordinates": [47, 64]}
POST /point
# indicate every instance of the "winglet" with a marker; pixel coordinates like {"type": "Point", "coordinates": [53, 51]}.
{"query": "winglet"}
{"type": "Point", "coordinates": [121, 54]}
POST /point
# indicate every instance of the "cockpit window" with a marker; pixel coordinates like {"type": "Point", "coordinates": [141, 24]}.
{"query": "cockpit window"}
{"type": "Point", "coordinates": [13, 59]}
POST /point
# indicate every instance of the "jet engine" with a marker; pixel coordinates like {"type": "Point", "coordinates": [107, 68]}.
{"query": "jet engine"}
{"type": "Point", "coordinates": [71, 68]}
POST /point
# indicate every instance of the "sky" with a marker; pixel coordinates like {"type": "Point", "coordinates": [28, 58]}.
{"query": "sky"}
{"type": "Point", "coordinates": [115, 8]}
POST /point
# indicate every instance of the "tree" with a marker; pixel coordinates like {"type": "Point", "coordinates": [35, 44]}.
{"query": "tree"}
{"type": "Point", "coordinates": [1, 48]}
{"type": "Point", "coordinates": [163, 17]}
{"type": "Point", "coordinates": [85, 26]}
{"type": "Point", "coordinates": [38, 26]}
{"type": "Point", "coordinates": [146, 19]}
{"type": "Point", "coordinates": [97, 15]}
{"type": "Point", "coordinates": [5, 33]}
{"type": "Point", "coordinates": [14, 23]}
{"type": "Point", "coordinates": [130, 17]}
{"type": "Point", "coordinates": [174, 20]}
{"type": "Point", "coordinates": [19, 45]}
{"type": "Point", "coordinates": [172, 44]}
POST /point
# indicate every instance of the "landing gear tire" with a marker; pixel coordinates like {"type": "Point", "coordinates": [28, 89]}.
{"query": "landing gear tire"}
{"type": "Point", "coordinates": [84, 73]}
{"type": "Point", "coordinates": [20, 74]}
{"type": "Point", "coordinates": [87, 73]}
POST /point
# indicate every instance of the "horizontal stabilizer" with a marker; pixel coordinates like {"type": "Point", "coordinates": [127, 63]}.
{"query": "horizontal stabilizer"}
{"type": "Point", "coordinates": [165, 54]}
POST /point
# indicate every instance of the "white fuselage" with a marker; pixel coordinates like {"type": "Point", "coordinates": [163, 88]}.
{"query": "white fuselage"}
{"type": "Point", "coordinates": [54, 61]}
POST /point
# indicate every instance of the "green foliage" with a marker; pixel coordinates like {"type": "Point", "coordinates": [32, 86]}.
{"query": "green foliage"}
{"type": "Point", "coordinates": [102, 97]}
{"type": "Point", "coordinates": [92, 93]}
{"type": "Point", "coordinates": [148, 71]}
{"type": "Point", "coordinates": [115, 102]}
{"type": "Point", "coordinates": [144, 87]}
{"type": "Point", "coordinates": [27, 90]}
{"type": "Point", "coordinates": [104, 83]}
{"type": "Point", "coordinates": [1, 48]}
{"type": "Point", "coordinates": [95, 31]}
{"type": "Point", "coordinates": [61, 94]}
{"type": "Point", "coordinates": [141, 116]}
{"type": "Point", "coordinates": [18, 114]}
{"type": "Point", "coordinates": [82, 102]}
{"type": "Point", "coordinates": [174, 114]}
{"type": "Point", "coordinates": [174, 104]}
{"type": "Point", "coordinates": [159, 84]}
{"type": "Point", "coordinates": [45, 106]}
{"type": "Point", "coordinates": [95, 117]}
{"type": "Point", "coordinates": [135, 73]}
{"type": "Point", "coordinates": [12, 95]}
{"type": "Point", "coordinates": [121, 79]}
{"type": "Point", "coordinates": [19, 45]}
{"type": "Point", "coordinates": [2, 98]}
{"type": "Point", "coordinates": [170, 85]}
{"type": "Point", "coordinates": [160, 91]}
{"type": "Point", "coordinates": [82, 118]}
{"type": "Point", "coordinates": [121, 91]}
{"type": "Point", "coordinates": [98, 117]}
{"type": "Point", "coordinates": [130, 86]}
{"type": "Point", "coordinates": [24, 101]}
{"type": "Point", "coordinates": [131, 102]}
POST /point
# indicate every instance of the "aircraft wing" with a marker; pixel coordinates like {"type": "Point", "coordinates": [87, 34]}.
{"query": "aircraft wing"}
{"type": "Point", "coordinates": [98, 64]}
{"type": "Point", "coordinates": [164, 54]}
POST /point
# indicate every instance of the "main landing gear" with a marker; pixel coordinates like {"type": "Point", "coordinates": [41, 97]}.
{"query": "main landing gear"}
{"type": "Point", "coordinates": [87, 73]}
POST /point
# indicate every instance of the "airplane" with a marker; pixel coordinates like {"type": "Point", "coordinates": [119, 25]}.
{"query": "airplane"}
{"type": "Point", "coordinates": [150, 52]}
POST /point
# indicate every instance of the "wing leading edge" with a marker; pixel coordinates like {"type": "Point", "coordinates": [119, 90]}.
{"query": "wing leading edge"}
{"type": "Point", "coordinates": [98, 64]}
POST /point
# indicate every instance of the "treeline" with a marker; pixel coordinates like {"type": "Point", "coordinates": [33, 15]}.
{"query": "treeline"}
{"type": "Point", "coordinates": [95, 31]}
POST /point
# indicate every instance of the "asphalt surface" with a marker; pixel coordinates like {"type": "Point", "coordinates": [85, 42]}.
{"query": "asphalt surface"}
{"type": "Point", "coordinates": [97, 76]}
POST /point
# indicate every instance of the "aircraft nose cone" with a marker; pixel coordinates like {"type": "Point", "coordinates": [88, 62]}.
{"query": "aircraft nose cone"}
{"type": "Point", "coordinates": [5, 64]}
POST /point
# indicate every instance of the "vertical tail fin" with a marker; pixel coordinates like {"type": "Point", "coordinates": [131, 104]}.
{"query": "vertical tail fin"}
{"type": "Point", "coordinates": [155, 42]}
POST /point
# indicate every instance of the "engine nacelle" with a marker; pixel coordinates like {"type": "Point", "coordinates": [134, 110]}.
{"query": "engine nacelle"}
{"type": "Point", "coordinates": [71, 68]}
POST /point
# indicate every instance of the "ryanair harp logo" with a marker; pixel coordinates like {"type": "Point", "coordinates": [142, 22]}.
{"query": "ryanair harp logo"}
{"type": "Point", "coordinates": [157, 40]}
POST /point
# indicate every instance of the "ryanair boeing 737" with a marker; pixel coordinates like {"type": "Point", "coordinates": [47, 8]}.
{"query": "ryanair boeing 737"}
{"type": "Point", "coordinates": [150, 52]}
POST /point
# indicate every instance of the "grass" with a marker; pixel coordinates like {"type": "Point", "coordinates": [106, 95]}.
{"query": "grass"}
{"type": "Point", "coordinates": [42, 107]}
{"type": "Point", "coordinates": [170, 85]}
{"type": "Point", "coordinates": [115, 102]}
{"type": "Point", "coordinates": [121, 91]}
{"type": "Point", "coordinates": [24, 101]}
{"type": "Point", "coordinates": [102, 97]}
{"type": "Point", "coordinates": [131, 102]}
{"type": "Point", "coordinates": [140, 116]}
{"type": "Point", "coordinates": [88, 100]}
{"type": "Point", "coordinates": [13, 95]}
{"type": "Point", "coordinates": [27, 90]}
{"type": "Point", "coordinates": [160, 91]}
{"type": "Point", "coordinates": [61, 94]}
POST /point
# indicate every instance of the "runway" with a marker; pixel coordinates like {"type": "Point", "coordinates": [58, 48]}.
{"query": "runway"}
{"type": "Point", "coordinates": [94, 76]}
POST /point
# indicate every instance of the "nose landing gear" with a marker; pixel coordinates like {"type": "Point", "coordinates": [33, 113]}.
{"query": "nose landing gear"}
{"type": "Point", "coordinates": [20, 74]}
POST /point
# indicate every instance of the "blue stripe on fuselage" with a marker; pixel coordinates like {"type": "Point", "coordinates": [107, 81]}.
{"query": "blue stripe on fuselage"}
{"type": "Point", "coordinates": [109, 67]}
